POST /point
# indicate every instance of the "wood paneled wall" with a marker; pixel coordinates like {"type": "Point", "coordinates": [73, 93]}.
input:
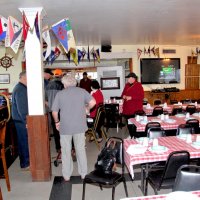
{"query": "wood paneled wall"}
{"type": "Point", "coordinates": [183, 94]}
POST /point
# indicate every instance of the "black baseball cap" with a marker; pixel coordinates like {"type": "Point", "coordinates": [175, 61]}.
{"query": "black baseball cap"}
{"type": "Point", "coordinates": [48, 71]}
{"type": "Point", "coordinates": [131, 75]}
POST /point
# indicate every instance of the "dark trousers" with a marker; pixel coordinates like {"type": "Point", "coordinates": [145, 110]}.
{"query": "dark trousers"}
{"type": "Point", "coordinates": [22, 138]}
{"type": "Point", "coordinates": [131, 127]}
{"type": "Point", "coordinates": [56, 133]}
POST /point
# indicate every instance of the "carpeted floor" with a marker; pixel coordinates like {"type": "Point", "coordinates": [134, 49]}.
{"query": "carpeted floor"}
{"type": "Point", "coordinates": [63, 190]}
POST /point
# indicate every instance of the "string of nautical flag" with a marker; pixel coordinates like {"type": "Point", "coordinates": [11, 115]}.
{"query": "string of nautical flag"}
{"type": "Point", "coordinates": [13, 32]}
{"type": "Point", "coordinates": [149, 51]}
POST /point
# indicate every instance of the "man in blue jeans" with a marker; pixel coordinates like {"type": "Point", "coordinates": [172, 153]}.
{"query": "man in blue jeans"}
{"type": "Point", "coordinates": [19, 113]}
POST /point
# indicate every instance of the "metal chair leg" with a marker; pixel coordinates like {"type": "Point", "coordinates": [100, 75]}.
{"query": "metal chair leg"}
{"type": "Point", "coordinates": [113, 193]}
{"type": "Point", "coordinates": [125, 187]}
{"type": "Point", "coordinates": [83, 194]}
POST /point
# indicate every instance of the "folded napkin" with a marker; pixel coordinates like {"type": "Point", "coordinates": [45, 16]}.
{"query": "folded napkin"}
{"type": "Point", "coordinates": [134, 149]}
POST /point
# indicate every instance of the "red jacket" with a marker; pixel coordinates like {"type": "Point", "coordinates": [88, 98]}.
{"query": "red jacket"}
{"type": "Point", "coordinates": [98, 96]}
{"type": "Point", "coordinates": [137, 95]}
{"type": "Point", "coordinates": [86, 84]}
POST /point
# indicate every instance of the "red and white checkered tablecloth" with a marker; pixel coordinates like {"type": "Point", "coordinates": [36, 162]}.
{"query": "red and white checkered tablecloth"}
{"type": "Point", "coordinates": [149, 111]}
{"type": "Point", "coordinates": [167, 126]}
{"type": "Point", "coordinates": [158, 197]}
{"type": "Point", "coordinates": [171, 142]}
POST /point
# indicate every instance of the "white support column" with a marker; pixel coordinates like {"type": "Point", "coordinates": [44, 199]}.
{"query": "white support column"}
{"type": "Point", "coordinates": [34, 64]}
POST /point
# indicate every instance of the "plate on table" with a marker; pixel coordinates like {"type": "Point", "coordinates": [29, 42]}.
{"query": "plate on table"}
{"type": "Point", "coordinates": [141, 139]}
{"type": "Point", "coordinates": [182, 136]}
{"type": "Point", "coordinates": [181, 195]}
{"type": "Point", "coordinates": [156, 120]}
{"type": "Point", "coordinates": [136, 149]}
{"type": "Point", "coordinates": [197, 143]}
{"type": "Point", "coordinates": [188, 118]}
{"type": "Point", "coordinates": [196, 114]}
{"type": "Point", "coordinates": [158, 149]}
{"type": "Point", "coordinates": [180, 115]}
{"type": "Point", "coordinates": [170, 121]}
{"type": "Point", "coordinates": [143, 122]}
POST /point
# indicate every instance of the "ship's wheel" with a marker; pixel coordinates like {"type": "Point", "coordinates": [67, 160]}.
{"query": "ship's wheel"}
{"type": "Point", "coordinates": [6, 61]}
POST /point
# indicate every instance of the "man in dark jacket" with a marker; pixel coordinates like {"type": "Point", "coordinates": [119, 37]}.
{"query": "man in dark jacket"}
{"type": "Point", "coordinates": [53, 87]}
{"type": "Point", "coordinates": [19, 113]}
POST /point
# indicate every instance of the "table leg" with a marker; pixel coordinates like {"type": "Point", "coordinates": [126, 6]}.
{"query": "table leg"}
{"type": "Point", "coordinates": [144, 174]}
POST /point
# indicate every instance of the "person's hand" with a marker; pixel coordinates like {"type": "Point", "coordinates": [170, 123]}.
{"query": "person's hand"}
{"type": "Point", "coordinates": [128, 98]}
{"type": "Point", "coordinates": [58, 126]}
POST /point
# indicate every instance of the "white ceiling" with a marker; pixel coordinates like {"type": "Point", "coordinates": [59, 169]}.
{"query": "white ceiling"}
{"type": "Point", "coordinates": [120, 22]}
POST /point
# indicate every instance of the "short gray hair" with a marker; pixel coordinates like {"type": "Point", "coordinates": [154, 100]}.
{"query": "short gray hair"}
{"type": "Point", "coordinates": [23, 73]}
{"type": "Point", "coordinates": [69, 80]}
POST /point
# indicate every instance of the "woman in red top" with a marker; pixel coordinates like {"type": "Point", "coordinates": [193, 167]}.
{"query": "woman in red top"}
{"type": "Point", "coordinates": [133, 95]}
{"type": "Point", "coordinates": [98, 96]}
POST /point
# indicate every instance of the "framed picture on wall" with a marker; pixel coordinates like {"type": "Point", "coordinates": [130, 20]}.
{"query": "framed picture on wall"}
{"type": "Point", "coordinates": [110, 83]}
{"type": "Point", "coordinates": [4, 78]}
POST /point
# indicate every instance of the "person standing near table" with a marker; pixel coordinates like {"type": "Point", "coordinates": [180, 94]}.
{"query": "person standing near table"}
{"type": "Point", "coordinates": [53, 87]}
{"type": "Point", "coordinates": [19, 113]}
{"type": "Point", "coordinates": [85, 82]}
{"type": "Point", "coordinates": [72, 103]}
{"type": "Point", "coordinates": [47, 76]}
{"type": "Point", "coordinates": [133, 95]}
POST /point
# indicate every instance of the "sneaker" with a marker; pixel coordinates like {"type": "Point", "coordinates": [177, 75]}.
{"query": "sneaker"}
{"type": "Point", "coordinates": [66, 179]}
{"type": "Point", "coordinates": [25, 168]}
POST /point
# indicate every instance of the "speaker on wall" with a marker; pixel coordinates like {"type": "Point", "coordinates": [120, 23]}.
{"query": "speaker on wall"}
{"type": "Point", "coordinates": [106, 48]}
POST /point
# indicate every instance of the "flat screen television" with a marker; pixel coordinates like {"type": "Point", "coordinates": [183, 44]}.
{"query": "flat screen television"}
{"type": "Point", "coordinates": [160, 70]}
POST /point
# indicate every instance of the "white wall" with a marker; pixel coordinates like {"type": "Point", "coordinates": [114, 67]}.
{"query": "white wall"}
{"type": "Point", "coordinates": [120, 73]}
{"type": "Point", "coordinates": [13, 70]}
{"type": "Point", "coordinates": [118, 51]}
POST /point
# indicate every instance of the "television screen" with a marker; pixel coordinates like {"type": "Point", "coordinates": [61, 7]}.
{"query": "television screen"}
{"type": "Point", "coordinates": [160, 70]}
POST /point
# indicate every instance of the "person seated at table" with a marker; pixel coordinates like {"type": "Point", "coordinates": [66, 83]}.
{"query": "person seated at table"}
{"type": "Point", "coordinates": [98, 96]}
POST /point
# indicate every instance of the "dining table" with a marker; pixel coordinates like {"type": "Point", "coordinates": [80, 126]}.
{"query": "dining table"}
{"type": "Point", "coordinates": [148, 109]}
{"type": "Point", "coordinates": [167, 123]}
{"type": "Point", "coordinates": [135, 153]}
{"type": "Point", "coordinates": [163, 196]}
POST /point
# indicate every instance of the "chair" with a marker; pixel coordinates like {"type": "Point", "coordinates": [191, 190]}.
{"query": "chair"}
{"type": "Point", "coordinates": [173, 101]}
{"type": "Point", "coordinates": [155, 132]}
{"type": "Point", "coordinates": [184, 129]}
{"type": "Point", "coordinates": [152, 133]}
{"type": "Point", "coordinates": [98, 125]}
{"type": "Point", "coordinates": [186, 101]}
{"type": "Point", "coordinates": [116, 97]}
{"type": "Point", "coordinates": [194, 123]}
{"type": "Point", "coordinates": [191, 109]}
{"type": "Point", "coordinates": [158, 110]}
{"type": "Point", "coordinates": [3, 152]}
{"type": "Point", "coordinates": [112, 115]}
{"type": "Point", "coordinates": [150, 125]}
{"type": "Point", "coordinates": [140, 112]}
{"type": "Point", "coordinates": [164, 178]}
{"type": "Point", "coordinates": [109, 180]}
{"type": "Point", "coordinates": [157, 102]}
{"type": "Point", "coordinates": [187, 178]}
{"type": "Point", "coordinates": [176, 110]}
{"type": "Point", "coordinates": [145, 101]}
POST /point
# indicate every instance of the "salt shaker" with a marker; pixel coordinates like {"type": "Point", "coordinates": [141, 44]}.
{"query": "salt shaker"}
{"type": "Point", "coordinates": [162, 117]}
{"type": "Point", "coordinates": [187, 115]}
{"type": "Point", "coordinates": [137, 118]}
{"type": "Point", "coordinates": [145, 142]}
{"type": "Point", "coordinates": [155, 142]}
{"type": "Point", "coordinates": [189, 138]}
{"type": "Point", "coordinates": [198, 138]}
